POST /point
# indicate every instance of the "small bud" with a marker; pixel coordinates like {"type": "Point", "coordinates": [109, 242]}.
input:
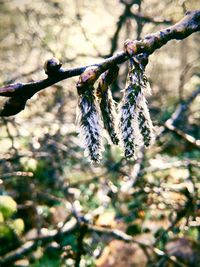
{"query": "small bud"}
{"type": "Point", "coordinates": [89, 76]}
{"type": "Point", "coordinates": [130, 47]}
{"type": "Point", "coordinates": [51, 66]}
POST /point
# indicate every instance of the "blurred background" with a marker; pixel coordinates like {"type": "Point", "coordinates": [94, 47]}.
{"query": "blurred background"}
{"type": "Point", "coordinates": [56, 209]}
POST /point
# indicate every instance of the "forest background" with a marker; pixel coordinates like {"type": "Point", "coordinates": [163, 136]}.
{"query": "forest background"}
{"type": "Point", "coordinates": [56, 208]}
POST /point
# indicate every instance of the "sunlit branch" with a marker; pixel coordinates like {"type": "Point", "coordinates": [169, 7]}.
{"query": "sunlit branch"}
{"type": "Point", "coordinates": [19, 93]}
{"type": "Point", "coordinates": [30, 245]}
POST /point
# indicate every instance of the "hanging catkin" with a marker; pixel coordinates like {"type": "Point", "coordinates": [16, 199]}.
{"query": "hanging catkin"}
{"type": "Point", "coordinates": [88, 119]}
{"type": "Point", "coordinates": [107, 104]}
{"type": "Point", "coordinates": [131, 98]}
{"type": "Point", "coordinates": [145, 124]}
{"type": "Point", "coordinates": [135, 125]}
{"type": "Point", "coordinates": [135, 120]}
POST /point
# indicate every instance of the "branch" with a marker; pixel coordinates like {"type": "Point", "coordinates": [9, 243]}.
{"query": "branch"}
{"type": "Point", "coordinates": [121, 21]}
{"type": "Point", "coordinates": [139, 19]}
{"type": "Point", "coordinates": [171, 123]}
{"type": "Point", "coordinates": [185, 136]}
{"type": "Point", "coordinates": [182, 107]}
{"type": "Point", "coordinates": [32, 244]}
{"type": "Point", "coordinates": [119, 235]}
{"type": "Point", "coordinates": [71, 226]}
{"type": "Point", "coordinates": [80, 245]}
{"type": "Point", "coordinates": [147, 19]}
{"type": "Point", "coordinates": [18, 253]}
{"type": "Point", "coordinates": [19, 93]}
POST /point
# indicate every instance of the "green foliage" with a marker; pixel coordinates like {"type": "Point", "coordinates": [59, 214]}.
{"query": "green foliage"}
{"type": "Point", "coordinates": [7, 206]}
{"type": "Point", "coordinates": [10, 228]}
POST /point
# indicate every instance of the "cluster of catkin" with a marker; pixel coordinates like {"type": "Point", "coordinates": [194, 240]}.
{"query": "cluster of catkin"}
{"type": "Point", "coordinates": [136, 128]}
{"type": "Point", "coordinates": [131, 126]}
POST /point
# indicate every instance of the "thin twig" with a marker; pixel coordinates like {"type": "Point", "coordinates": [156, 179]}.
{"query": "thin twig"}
{"type": "Point", "coordinates": [80, 244]}
{"type": "Point", "coordinates": [31, 244]}
{"type": "Point", "coordinates": [185, 136]}
{"type": "Point", "coordinates": [119, 235]}
{"type": "Point", "coordinates": [171, 123]}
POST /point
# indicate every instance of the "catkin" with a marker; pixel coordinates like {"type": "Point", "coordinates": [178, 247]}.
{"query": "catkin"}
{"type": "Point", "coordinates": [89, 122]}
{"type": "Point", "coordinates": [129, 134]}
{"type": "Point", "coordinates": [108, 111]}
{"type": "Point", "coordinates": [135, 125]}
{"type": "Point", "coordinates": [145, 123]}
{"type": "Point", "coordinates": [107, 103]}
{"type": "Point", "coordinates": [135, 121]}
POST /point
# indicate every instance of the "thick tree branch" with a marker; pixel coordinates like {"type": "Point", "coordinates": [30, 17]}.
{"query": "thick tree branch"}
{"type": "Point", "coordinates": [20, 92]}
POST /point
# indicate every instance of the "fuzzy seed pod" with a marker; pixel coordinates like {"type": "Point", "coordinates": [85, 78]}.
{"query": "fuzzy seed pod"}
{"type": "Point", "coordinates": [89, 124]}
{"type": "Point", "coordinates": [145, 123]}
{"type": "Point", "coordinates": [107, 104]}
{"type": "Point", "coordinates": [88, 117]}
{"type": "Point", "coordinates": [135, 121]}
{"type": "Point", "coordinates": [129, 135]}
{"type": "Point", "coordinates": [142, 112]}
